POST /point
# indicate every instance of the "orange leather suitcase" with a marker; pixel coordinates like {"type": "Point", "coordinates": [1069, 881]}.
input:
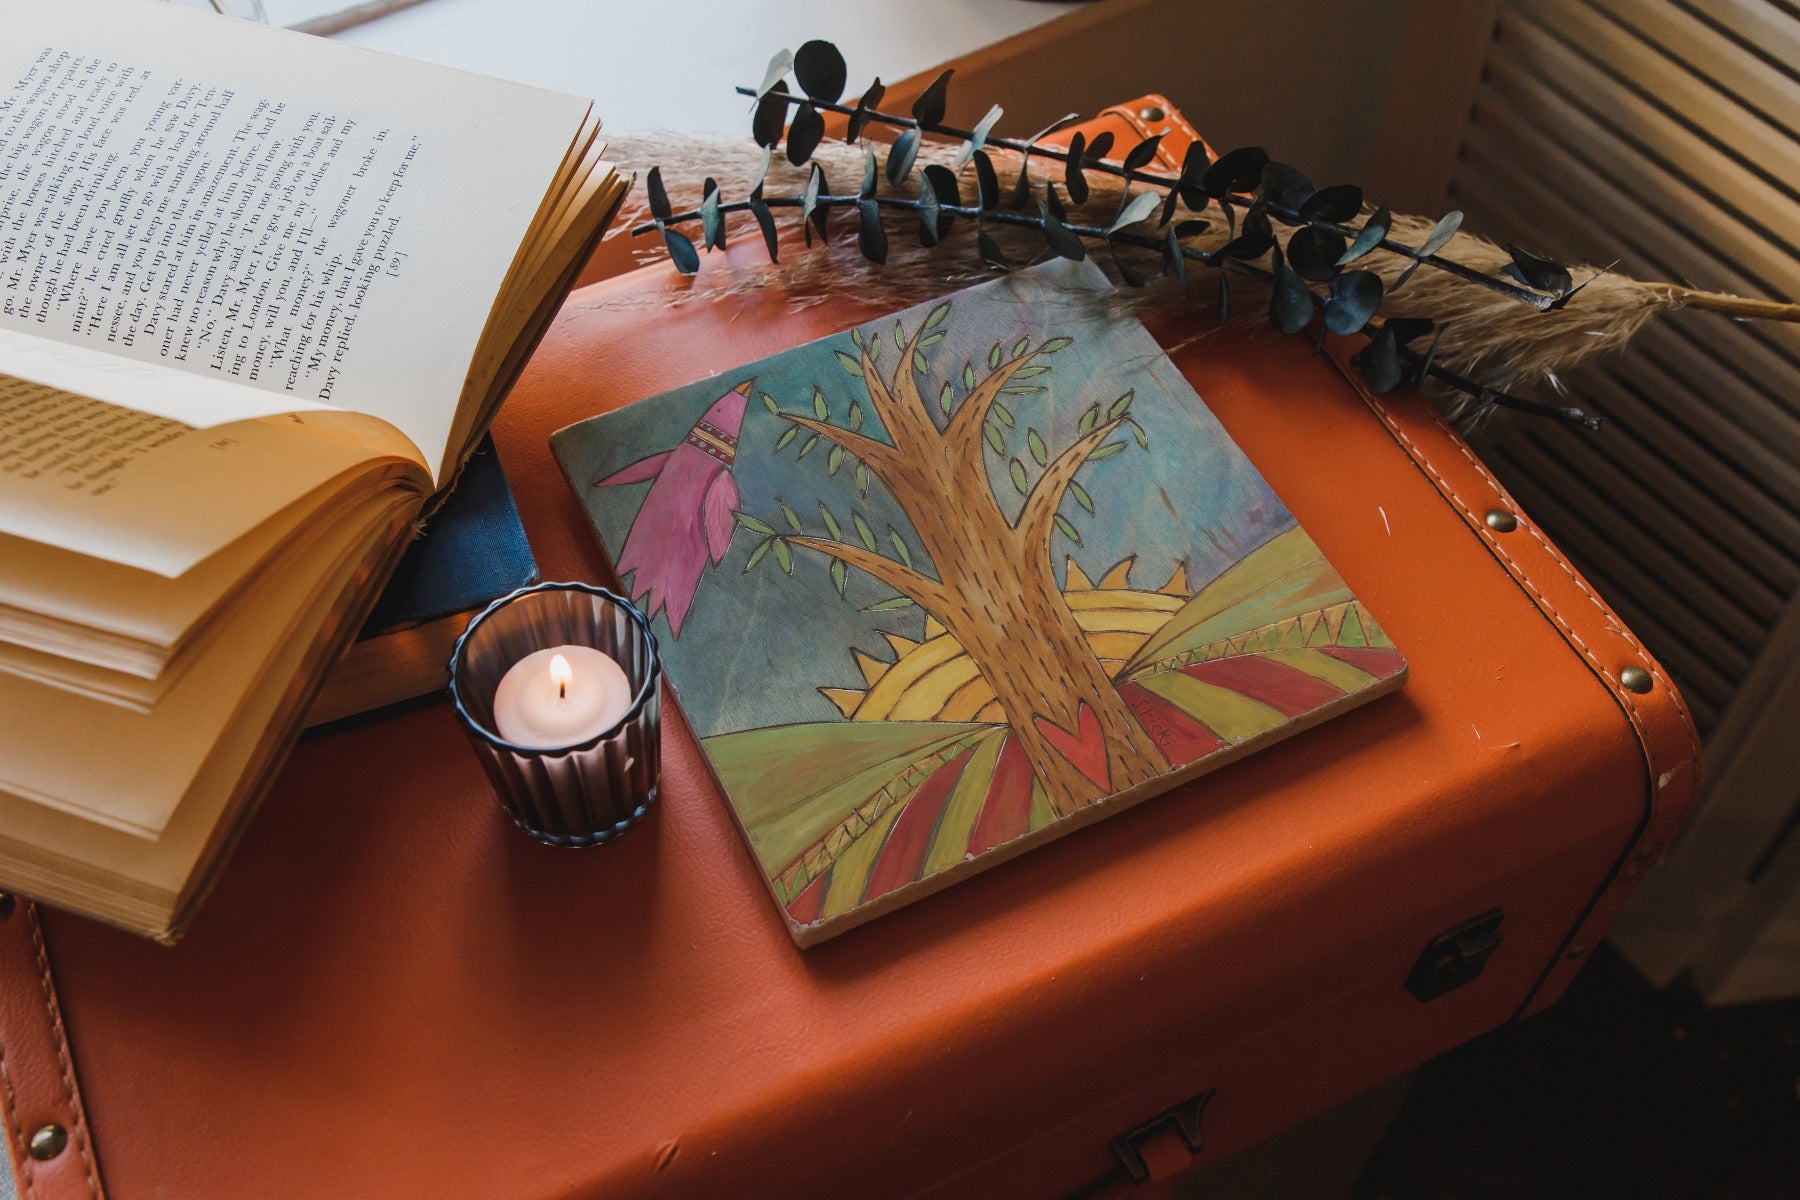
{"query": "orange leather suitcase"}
{"type": "Point", "coordinates": [393, 993]}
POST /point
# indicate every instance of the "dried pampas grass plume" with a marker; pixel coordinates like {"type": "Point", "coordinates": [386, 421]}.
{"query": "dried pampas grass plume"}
{"type": "Point", "coordinates": [1484, 333]}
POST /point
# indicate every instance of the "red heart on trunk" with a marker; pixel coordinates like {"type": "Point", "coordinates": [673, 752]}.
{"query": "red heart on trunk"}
{"type": "Point", "coordinates": [1086, 749]}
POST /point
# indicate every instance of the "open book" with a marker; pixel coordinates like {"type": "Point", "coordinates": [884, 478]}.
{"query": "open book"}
{"type": "Point", "coordinates": [260, 294]}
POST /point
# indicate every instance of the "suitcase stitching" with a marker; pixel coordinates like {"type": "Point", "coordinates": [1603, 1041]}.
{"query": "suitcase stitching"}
{"type": "Point", "coordinates": [9, 1109]}
{"type": "Point", "coordinates": [76, 1117]}
{"type": "Point", "coordinates": [1627, 700]}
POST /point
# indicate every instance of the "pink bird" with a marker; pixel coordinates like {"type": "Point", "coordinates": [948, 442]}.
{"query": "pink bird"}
{"type": "Point", "coordinates": [687, 515]}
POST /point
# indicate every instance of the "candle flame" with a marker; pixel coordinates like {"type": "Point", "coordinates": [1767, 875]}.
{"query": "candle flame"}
{"type": "Point", "coordinates": [560, 674]}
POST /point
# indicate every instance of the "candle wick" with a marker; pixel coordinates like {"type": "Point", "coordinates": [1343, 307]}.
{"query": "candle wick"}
{"type": "Point", "coordinates": [562, 690]}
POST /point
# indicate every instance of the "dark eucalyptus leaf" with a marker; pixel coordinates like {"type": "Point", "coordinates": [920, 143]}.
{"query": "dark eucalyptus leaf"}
{"type": "Point", "coordinates": [1256, 237]}
{"type": "Point", "coordinates": [1224, 296]}
{"type": "Point", "coordinates": [712, 221]}
{"type": "Point", "coordinates": [1404, 276]}
{"type": "Point", "coordinates": [859, 116]}
{"type": "Point", "coordinates": [1336, 204]}
{"type": "Point", "coordinates": [1314, 251]}
{"type": "Point", "coordinates": [900, 158]}
{"type": "Point", "coordinates": [1191, 228]}
{"type": "Point", "coordinates": [1142, 153]}
{"type": "Point", "coordinates": [871, 239]}
{"type": "Point", "coordinates": [1192, 183]}
{"type": "Point", "coordinates": [987, 183]}
{"type": "Point", "coordinates": [771, 115]}
{"type": "Point", "coordinates": [805, 134]}
{"type": "Point", "coordinates": [1408, 329]}
{"type": "Point", "coordinates": [1442, 232]}
{"type": "Point", "coordinates": [928, 109]}
{"type": "Point", "coordinates": [659, 197]}
{"type": "Point", "coordinates": [1543, 274]}
{"type": "Point", "coordinates": [779, 62]}
{"type": "Point", "coordinates": [868, 179]}
{"type": "Point", "coordinates": [1379, 363]}
{"type": "Point", "coordinates": [928, 213]}
{"type": "Point", "coordinates": [1424, 368]}
{"type": "Point", "coordinates": [766, 221]}
{"type": "Point", "coordinates": [990, 251]}
{"type": "Point", "coordinates": [1368, 237]}
{"type": "Point", "coordinates": [1561, 301]}
{"type": "Point", "coordinates": [1072, 176]}
{"type": "Point", "coordinates": [1097, 149]}
{"type": "Point", "coordinates": [1054, 201]}
{"type": "Point", "coordinates": [817, 185]}
{"type": "Point", "coordinates": [1057, 235]}
{"type": "Point", "coordinates": [940, 181]}
{"type": "Point", "coordinates": [1126, 271]}
{"type": "Point", "coordinates": [1174, 260]}
{"type": "Point", "coordinates": [819, 68]}
{"type": "Point", "coordinates": [1283, 186]}
{"type": "Point", "coordinates": [1290, 303]}
{"type": "Point", "coordinates": [681, 250]}
{"type": "Point", "coordinates": [1237, 171]}
{"type": "Point", "coordinates": [1355, 295]}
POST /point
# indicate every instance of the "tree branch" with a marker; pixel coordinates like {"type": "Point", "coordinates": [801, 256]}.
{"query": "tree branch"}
{"type": "Point", "coordinates": [921, 589]}
{"type": "Point", "coordinates": [1039, 513]}
{"type": "Point", "coordinates": [963, 434]}
{"type": "Point", "coordinates": [882, 458]}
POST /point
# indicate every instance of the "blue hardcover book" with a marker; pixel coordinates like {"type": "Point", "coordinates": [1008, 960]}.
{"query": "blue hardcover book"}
{"type": "Point", "coordinates": [470, 551]}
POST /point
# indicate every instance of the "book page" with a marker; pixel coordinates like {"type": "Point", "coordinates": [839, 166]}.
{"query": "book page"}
{"type": "Point", "coordinates": [144, 491]}
{"type": "Point", "coordinates": [294, 216]}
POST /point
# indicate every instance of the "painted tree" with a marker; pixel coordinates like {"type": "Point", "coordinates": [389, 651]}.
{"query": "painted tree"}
{"type": "Point", "coordinates": [991, 580]}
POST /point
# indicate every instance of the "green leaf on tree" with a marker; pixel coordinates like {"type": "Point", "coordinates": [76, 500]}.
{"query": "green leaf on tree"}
{"type": "Point", "coordinates": [863, 531]}
{"type": "Point", "coordinates": [919, 362]}
{"type": "Point", "coordinates": [1137, 431]}
{"type": "Point", "coordinates": [1120, 405]}
{"type": "Point", "coordinates": [1068, 529]}
{"type": "Point", "coordinates": [969, 376]}
{"type": "Point", "coordinates": [834, 460]}
{"type": "Point", "coordinates": [807, 445]}
{"type": "Point", "coordinates": [936, 316]}
{"type": "Point", "coordinates": [781, 442]}
{"type": "Point", "coordinates": [995, 441]}
{"type": "Point", "coordinates": [900, 546]}
{"type": "Point", "coordinates": [1004, 413]}
{"type": "Point", "coordinates": [838, 574]}
{"type": "Point", "coordinates": [756, 555]}
{"type": "Point", "coordinates": [821, 410]}
{"type": "Point", "coordinates": [784, 556]}
{"type": "Point", "coordinates": [896, 602]}
{"type": "Point", "coordinates": [994, 356]}
{"type": "Point", "coordinates": [1019, 346]}
{"type": "Point", "coordinates": [856, 336]}
{"type": "Point", "coordinates": [849, 364]}
{"type": "Point", "coordinates": [1055, 344]}
{"type": "Point", "coordinates": [899, 337]}
{"type": "Point", "coordinates": [1089, 419]}
{"type": "Point", "coordinates": [769, 403]}
{"type": "Point", "coordinates": [856, 417]}
{"type": "Point", "coordinates": [1039, 451]}
{"type": "Point", "coordinates": [1028, 372]}
{"type": "Point", "coordinates": [932, 339]}
{"type": "Point", "coordinates": [946, 397]}
{"type": "Point", "coordinates": [1027, 390]}
{"type": "Point", "coordinates": [1106, 451]}
{"type": "Point", "coordinates": [756, 524]}
{"type": "Point", "coordinates": [1018, 476]}
{"type": "Point", "coordinates": [792, 517]}
{"type": "Point", "coordinates": [831, 524]}
{"type": "Point", "coordinates": [862, 479]}
{"type": "Point", "coordinates": [1081, 497]}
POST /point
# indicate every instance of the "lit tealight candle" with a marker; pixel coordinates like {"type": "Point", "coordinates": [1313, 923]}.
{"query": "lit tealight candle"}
{"type": "Point", "coordinates": [561, 696]}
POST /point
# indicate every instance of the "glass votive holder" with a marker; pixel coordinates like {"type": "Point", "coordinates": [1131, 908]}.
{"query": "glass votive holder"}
{"type": "Point", "coordinates": [581, 794]}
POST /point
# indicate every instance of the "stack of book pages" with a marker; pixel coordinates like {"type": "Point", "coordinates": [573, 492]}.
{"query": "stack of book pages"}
{"type": "Point", "coordinates": [260, 295]}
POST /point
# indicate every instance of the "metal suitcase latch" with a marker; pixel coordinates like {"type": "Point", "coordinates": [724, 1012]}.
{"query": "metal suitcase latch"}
{"type": "Point", "coordinates": [1455, 956]}
{"type": "Point", "coordinates": [1183, 1119]}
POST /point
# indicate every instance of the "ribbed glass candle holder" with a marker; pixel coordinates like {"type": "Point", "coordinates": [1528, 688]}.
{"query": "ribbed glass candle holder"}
{"type": "Point", "coordinates": [579, 795]}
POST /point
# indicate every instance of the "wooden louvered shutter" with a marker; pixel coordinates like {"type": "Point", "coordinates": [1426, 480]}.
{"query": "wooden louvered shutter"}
{"type": "Point", "coordinates": [1664, 136]}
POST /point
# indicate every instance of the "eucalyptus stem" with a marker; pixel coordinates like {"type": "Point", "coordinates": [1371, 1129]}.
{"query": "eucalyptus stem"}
{"type": "Point", "coordinates": [1537, 300]}
{"type": "Point", "coordinates": [1450, 379]}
